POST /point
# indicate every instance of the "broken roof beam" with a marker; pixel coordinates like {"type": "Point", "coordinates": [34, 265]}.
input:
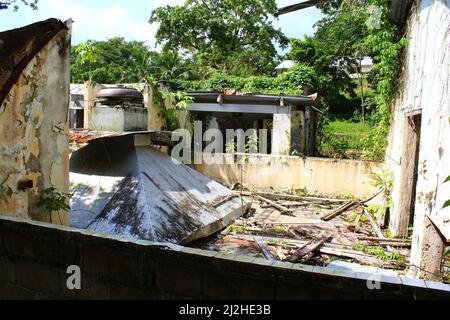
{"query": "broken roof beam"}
{"type": "Point", "coordinates": [299, 6]}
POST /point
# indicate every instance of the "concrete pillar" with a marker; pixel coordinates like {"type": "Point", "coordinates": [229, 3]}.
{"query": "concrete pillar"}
{"type": "Point", "coordinates": [151, 103]}
{"type": "Point", "coordinates": [427, 250]}
{"type": "Point", "coordinates": [281, 134]}
{"type": "Point", "coordinates": [90, 94]}
{"type": "Point", "coordinates": [297, 132]}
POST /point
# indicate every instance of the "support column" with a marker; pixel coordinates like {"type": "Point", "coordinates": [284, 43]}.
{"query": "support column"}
{"type": "Point", "coordinates": [297, 132]}
{"type": "Point", "coordinates": [90, 94]}
{"type": "Point", "coordinates": [427, 250]}
{"type": "Point", "coordinates": [281, 134]}
{"type": "Point", "coordinates": [150, 103]}
{"type": "Point", "coordinates": [408, 175]}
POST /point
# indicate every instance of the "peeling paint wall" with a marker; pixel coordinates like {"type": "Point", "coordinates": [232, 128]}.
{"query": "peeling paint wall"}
{"type": "Point", "coordinates": [425, 87]}
{"type": "Point", "coordinates": [315, 176]}
{"type": "Point", "coordinates": [33, 134]}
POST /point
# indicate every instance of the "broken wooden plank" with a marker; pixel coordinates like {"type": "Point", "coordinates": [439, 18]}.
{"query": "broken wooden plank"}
{"type": "Point", "coordinates": [271, 203]}
{"type": "Point", "coordinates": [375, 227]}
{"type": "Point", "coordinates": [361, 258]}
{"type": "Point", "coordinates": [287, 197]}
{"type": "Point", "coordinates": [305, 253]}
{"type": "Point", "coordinates": [374, 239]}
{"type": "Point", "coordinates": [224, 200]}
{"type": "Point", "coordinates": [241, 242]}
{"type": "Point", "coordinates": [357, 221]}
{"type": "Point", "coordinates": [338, 250]}
{"type": "Point", "coordinates": [373, 197]}
{"type": "Point", "coordinates": [339, 211]}
{"type": "Point", "coordinates": [264, 249]}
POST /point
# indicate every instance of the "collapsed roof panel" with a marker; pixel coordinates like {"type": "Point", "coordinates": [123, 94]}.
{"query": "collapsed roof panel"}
{"type": "Point", "coordinates": [140, 193]}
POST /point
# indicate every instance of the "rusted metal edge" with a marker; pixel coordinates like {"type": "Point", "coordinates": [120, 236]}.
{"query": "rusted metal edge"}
{"type": "Point", "coordinates": [299, 6]}
{"type": "Point", "coordinates": [160, 138]}
{"type": "Point", "coordinates": [45, 32]}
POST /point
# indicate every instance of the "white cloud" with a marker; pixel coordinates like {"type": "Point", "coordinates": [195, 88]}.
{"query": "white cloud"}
{"type": "Point", "coordinates": [102, 19]}
{"type": "Point", "coordinates": [99, 22]}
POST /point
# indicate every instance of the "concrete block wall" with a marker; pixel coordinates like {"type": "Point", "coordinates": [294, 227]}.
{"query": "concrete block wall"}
{"type": "Point", "coordinates": [34, 258]}
{"type": "Point", "coordinates": [317, 176]}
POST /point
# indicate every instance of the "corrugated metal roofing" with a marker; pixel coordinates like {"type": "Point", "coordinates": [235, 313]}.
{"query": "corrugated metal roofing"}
{"type": "Point", "coordinates": [269, 99]}
{"type": "Point", "coordinates": [123, 188]}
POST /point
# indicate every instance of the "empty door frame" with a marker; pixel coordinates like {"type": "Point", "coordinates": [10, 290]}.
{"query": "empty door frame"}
{"type": "Point", "coordinates": [408, 172]}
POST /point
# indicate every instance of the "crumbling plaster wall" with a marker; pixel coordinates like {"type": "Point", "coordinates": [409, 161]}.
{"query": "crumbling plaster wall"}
{"type": "Point", "coordinates": [425, 87]}
{"type": "Point", "coordinates": [33, 133]}
{"type": "Point", "coordinates": [316, 176]}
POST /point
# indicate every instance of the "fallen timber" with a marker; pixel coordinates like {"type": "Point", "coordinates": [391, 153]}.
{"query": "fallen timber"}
{"type": "Point", "coordinates": [338, 250]}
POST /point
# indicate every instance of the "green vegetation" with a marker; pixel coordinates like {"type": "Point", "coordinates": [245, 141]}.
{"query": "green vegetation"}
{"type": "Point", "coordinates": [231, 45]}
{"type": "Point", "coordinates": [384, 182]}
{"type": "Point", "coordinates": [385, 43]}
{"type": "Point", "coordinates": [344, 139]}
{"type": "Point", "coordinates": [228, 36]}
{"type": "Point", "coordinates": [14, 4]}
{"type": "Point", "coordinates": [119, 61]}
{"type": "Point", "coordinates": [54, 200]}
{"type": "Point", "coordinates": [380, 253]}
{"type": "Point", "coordinates": [447, 203]}
{"type": "Point", "coordinates": [290, 82]}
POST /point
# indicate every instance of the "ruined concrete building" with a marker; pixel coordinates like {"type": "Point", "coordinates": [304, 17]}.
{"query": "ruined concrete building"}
{"type": "Point", "coordinates": [34, 152]}
{"type": "Point", "coordinates": [419, 149]}
{"type": "Point", "coordinates": [290, 120]}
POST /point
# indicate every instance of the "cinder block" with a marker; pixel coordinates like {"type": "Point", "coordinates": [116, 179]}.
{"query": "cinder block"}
{"type": "Point", "coordinates": [224, 286]}
{"type": "Point", "coordinates": [7, 270]}
{"type": "Point", "coordinates": [33, 247]}
{"type": "Point", "coordinates": [291, 290]}
{"type": "Point", "coordinates": [119, 292]}
{"type": "Point", "coordinates": [9, 291]}
{"type": "Point", "coordinates": [178, 279]}
{"type": "Point", "coordinates": [113, 266]}
{"type": "Point", "coordinates": [90, 289]}
{"type": "Point", "coordinates": [37, 277]}
{"type": "Point", "coordinates": [437, 286]}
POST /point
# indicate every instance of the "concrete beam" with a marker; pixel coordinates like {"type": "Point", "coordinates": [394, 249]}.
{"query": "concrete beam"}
{"type": "Point", "coordinates": [90, 94]}
{"type": "Point", "coordinates": [238, 108]}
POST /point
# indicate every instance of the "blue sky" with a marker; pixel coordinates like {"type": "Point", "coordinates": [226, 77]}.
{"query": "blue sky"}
{"type": "Point", "coordinates": [103, 19]}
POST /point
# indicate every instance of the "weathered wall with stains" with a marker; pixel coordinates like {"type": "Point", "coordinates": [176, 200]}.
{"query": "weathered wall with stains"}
{"type": "Point", "coordinates": [316, 176]}
{"type": "Point", "coordinates": [33, 133]}
{"type": "Point", "coordinates": [34, 258]}
{"type": "Point", "coordinates": [425, 87]}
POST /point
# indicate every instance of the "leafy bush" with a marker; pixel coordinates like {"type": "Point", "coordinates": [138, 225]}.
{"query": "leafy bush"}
{"type": "Point", "coordinates": [291, 82]}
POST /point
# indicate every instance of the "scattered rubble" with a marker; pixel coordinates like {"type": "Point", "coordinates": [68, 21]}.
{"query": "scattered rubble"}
{"type": "Point", "coordinates": [317, 231]}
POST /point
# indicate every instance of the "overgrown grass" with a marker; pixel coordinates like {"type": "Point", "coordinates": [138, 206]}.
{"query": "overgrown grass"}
{"type": "Point", "coordinates": [344, 139]}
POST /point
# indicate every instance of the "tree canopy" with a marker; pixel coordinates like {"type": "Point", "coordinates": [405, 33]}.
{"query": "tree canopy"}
{"type": "Point", "coordinates": [234, 36]}
{"type": "Point", "coordinates": [14, 4]}
{"type": "Point", "coordinates": [336, 47]}
{"type": "Point", "coordinates": [112, 61]}
{"type": "Point", "coordinates": [119, 61]}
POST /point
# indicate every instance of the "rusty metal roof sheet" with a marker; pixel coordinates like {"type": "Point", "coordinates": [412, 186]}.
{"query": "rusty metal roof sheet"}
{"type": "Point", "coordinates": [123, 187]}
{"type": "Point", "coordinates": [299, 6]}
{"type": "Point", "coordinates": [19, 46]}
{"type": "Point", "coordinates": [251, 98]}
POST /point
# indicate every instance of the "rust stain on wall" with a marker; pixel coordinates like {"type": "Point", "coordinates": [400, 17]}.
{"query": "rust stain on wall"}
{"type": "Point", "coordinates": [34, 101]}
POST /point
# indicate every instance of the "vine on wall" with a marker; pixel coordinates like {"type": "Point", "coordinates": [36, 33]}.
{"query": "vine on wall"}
{"type": "Point", "coordinates": [386, 43]}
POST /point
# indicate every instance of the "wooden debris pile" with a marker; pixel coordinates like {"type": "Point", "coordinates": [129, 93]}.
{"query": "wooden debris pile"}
{"type": "Point", "coordinates": [310, 230]}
